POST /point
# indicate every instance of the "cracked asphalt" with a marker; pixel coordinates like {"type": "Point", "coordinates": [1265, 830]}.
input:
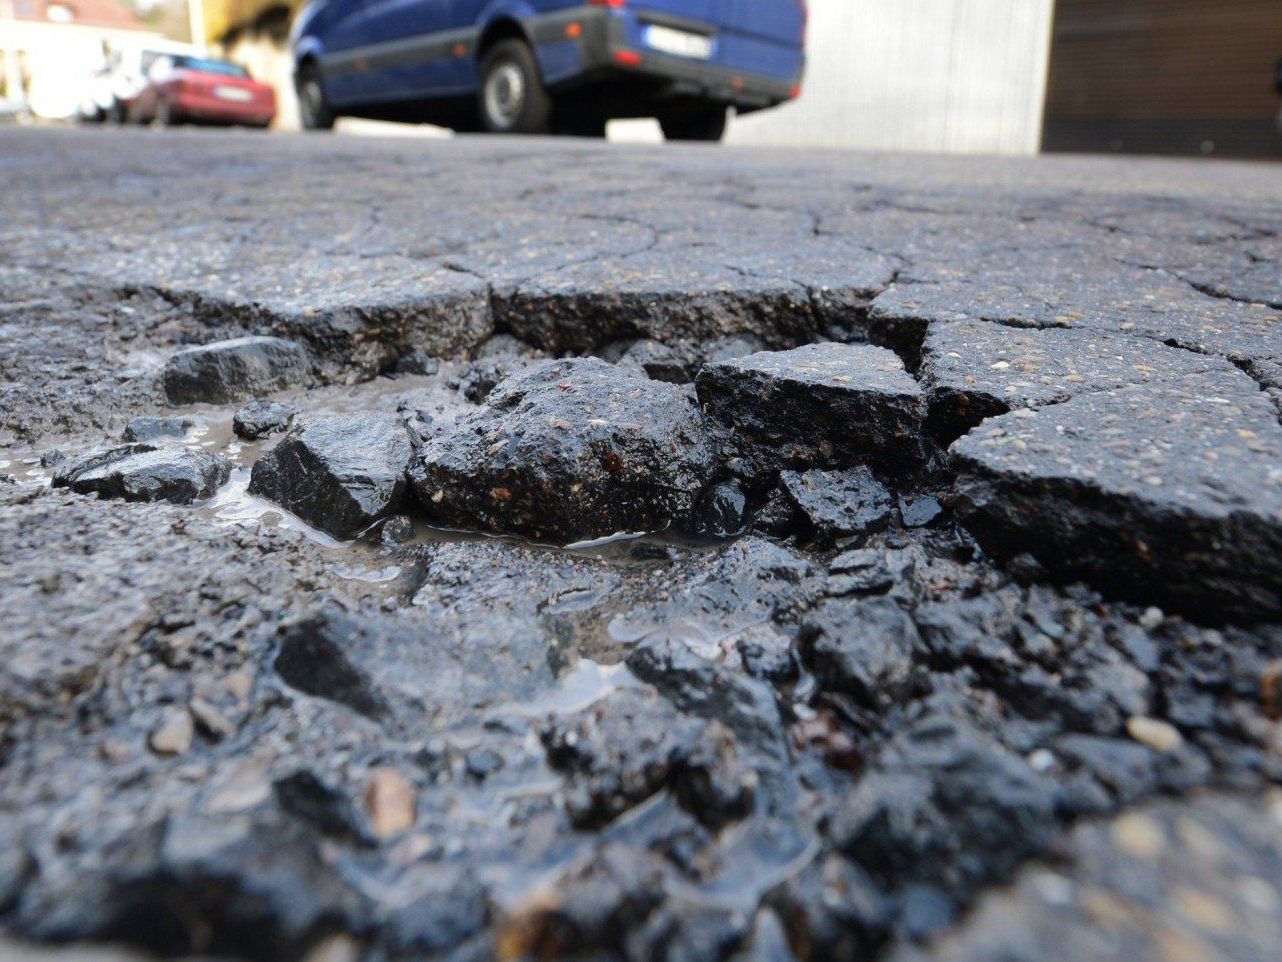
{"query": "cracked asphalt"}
{"type": "Point", "coordinates": [531, 549]}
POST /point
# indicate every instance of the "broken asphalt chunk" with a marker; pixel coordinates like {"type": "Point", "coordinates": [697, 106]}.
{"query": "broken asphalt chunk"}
{"type": "Point", "coordinates": [861, 648]}
{"type": "Point", "coordinates": [974, 370]}
{"type": "Point", "coordinates": [568, 450]}
{"type": "Point", "coordinates": [144, 472]}
{"type": "Point", "coordinates": [1169, 493]}
{"type": "Point", "coordinates": [340, 474]}
{"type": "Point", "coordinates": [260, 418]}
{"type": "Point", "coordinates": [820, 405]}
{"type": "Point", "coordinates": [839, 504]}
{"type": "Point", "coordinates": [227, 371]}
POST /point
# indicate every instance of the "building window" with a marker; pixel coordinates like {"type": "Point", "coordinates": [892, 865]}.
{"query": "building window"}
{"type": "Point", "coordinates": [60, 13]}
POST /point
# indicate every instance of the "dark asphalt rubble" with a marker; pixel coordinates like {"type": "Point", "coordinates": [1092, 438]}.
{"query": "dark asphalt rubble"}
{"type": "Point", "coordinates": [145, 472]}
{"type": "Point", "coordinates": [952, 632]}
{"type": "Point", "coordinates": [876, 711]}
{"type": "Point", "coordinates": [227, 371]}
{"type": "Point", "coordinates": [340, 474]}
{"type": "Point", "coordinates": [567, 451]}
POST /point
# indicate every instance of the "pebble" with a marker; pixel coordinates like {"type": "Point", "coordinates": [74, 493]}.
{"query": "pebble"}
{"type": "Point", "coordinates": [174, 735]}
{"type": "Point", "coordinates": [335, 948]}
{"type": "Point", "coordinates": [1271, 689]}
{"type": "Point", "coordinates": [389, 800]}
{"type": "Point", "coordinates": [1152, 618]}
{"type": "Point", "coordinates": [211, 719]}
{"type": "Point", "coordinates": [239, 684]}
{"type": "Point", "coordinates": [116, 750]}
{"type": "Point", "coordinates": [1139, 835]}
{"type": "Point", "coordinates": [1158, 735]}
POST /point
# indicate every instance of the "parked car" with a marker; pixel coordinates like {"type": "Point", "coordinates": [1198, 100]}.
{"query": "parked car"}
{"type": "Point", "coordinates": [113, 88]}
{"type": "Point", "coordinates": [532, 66]}
{"type": "Point", "coordinates": [186, 89]}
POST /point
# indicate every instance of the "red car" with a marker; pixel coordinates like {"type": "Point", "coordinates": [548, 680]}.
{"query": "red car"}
{"type": "Point", "coordinates": [185, 89]}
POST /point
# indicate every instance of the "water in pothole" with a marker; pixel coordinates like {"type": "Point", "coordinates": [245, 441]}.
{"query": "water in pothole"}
{"type": "Point", "coordinates": [386, 568]}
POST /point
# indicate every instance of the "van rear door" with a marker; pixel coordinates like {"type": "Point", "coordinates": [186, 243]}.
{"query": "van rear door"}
{"type": "Point", "coordinates": [782, 21]}
{"type": "Point", "coordinates": [762, 36]}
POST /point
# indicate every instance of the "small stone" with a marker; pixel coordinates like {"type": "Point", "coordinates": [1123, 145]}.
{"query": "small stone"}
{"type": "Point", "coordinates": [396, 530]}
{"type": "Point", "coordinates": [840, 503]}
{"type": "Point", "coordinates": [174, 734]}
{"type": "Point", "coordinates": [1271, 690]}
{"type": "Point", "coordinates": [239, 684]}
{"type": "Point", "coordinates": [335, 948]}
{"type": "Point", "coordinates": [1203, 909]}
{"type": "Point", "coordinates": [778, 516]}
{"type": "Point", "coordinates": [721, 511]}
{"type": "Point", "coordinates": [143, 472]}
{"type": "Point", "coordinates": [861, 648]}
{"type": "Point", "coordinates": [1152, 618]}
{"type": "Point", "coordinates": [227, 371]}
{"type": "Point", "coordinates": [1139, 835]}
{"type": "Point", "coordinates": [920, 512]}
{"type": "Point", "coordinates": [659, 361]}
{"type": "Point", "coordinates": [260, 418]}
{"type": "Point", "coordinates": [154, 429]}
{"type": "Point", "coordinates": [418, 363]}
{"type": "Point", "coordinates": [1158, 735]}
{"type": "Point", "coordinates": [210, 719]}
{"type": "Point", "coordinates": [338, 473]}
{"type": "Point", "coordinates": [116, 750]}
{"type": "Point", "coordinates": [389, 800]}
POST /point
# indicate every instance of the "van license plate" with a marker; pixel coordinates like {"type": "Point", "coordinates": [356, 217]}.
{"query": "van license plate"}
{"type": "Point", "coordinates": [682, 43]}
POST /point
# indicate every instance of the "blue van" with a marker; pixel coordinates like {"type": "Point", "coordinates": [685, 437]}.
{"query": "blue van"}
{"type": "Point", "coordinates": [538, 66]}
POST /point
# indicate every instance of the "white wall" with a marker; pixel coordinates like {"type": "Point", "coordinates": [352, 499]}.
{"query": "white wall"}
{"type": "Point", "coordinates": [944, 76]}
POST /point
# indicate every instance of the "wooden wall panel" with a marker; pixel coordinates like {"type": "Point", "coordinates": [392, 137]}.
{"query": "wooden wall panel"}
{"type": "Point", "coordinates": [1171, 59]}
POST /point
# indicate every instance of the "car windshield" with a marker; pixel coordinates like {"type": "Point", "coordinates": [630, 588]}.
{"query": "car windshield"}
{"type": "Point", "coordinates": [210, 66]}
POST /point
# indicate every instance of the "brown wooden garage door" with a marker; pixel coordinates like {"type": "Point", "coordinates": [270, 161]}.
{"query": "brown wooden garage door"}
{"type": "Point", "coordinates": [1179, 76]}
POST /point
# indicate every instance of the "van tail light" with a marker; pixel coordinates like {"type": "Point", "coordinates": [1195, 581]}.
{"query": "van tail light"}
{"type": "Point", "coordinates": [612, 4]}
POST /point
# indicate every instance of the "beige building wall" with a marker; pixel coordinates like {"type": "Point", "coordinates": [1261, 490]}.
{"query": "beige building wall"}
{"type": "Point", "coordinates": [940, 76]}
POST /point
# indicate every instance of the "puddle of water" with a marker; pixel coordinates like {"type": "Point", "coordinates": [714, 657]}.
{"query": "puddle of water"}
{"type": "Point", "coordinates": [233, 504]}
{"type": "Point", "coordinates": [582, 686]}
{"type": "Point", "coordinates": [26, 467]}
{"type": "Point", "coordinates": [212, 431]}
{"type": "Point", "coordinates": [610, 539]}
{"type": "Point", "coordinates": [375, 576]}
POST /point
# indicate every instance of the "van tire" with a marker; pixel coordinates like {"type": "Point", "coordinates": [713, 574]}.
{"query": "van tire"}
{"type": "Point", "coordinates": [512, 98]}
{"type": "Point", "coordinates": [314, 111]}
{"type": "Point", "coordinates": [701, 123]}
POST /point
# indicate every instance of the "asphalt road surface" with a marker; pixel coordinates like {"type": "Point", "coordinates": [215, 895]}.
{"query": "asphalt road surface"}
{"type": "Point", "coordinates": [543, 549]}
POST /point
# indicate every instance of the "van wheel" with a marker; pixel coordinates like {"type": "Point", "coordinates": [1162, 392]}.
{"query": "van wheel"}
{"type": "Point", "coordinates": [512, 97]}
{"type": "Point", "coordinates": [702, 123]}
{"type": "Point", "coordinates": [314, 111]}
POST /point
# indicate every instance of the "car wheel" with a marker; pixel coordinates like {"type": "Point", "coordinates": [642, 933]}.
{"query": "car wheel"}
{"type": "Point", "coordinates": [512, 97]}
{"type": "Point", "coordinates": [165, 116]}
{"type": "Point", "coordinates": [314, 111]}
{"type": "Point", "coordinates": [707, 123]}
